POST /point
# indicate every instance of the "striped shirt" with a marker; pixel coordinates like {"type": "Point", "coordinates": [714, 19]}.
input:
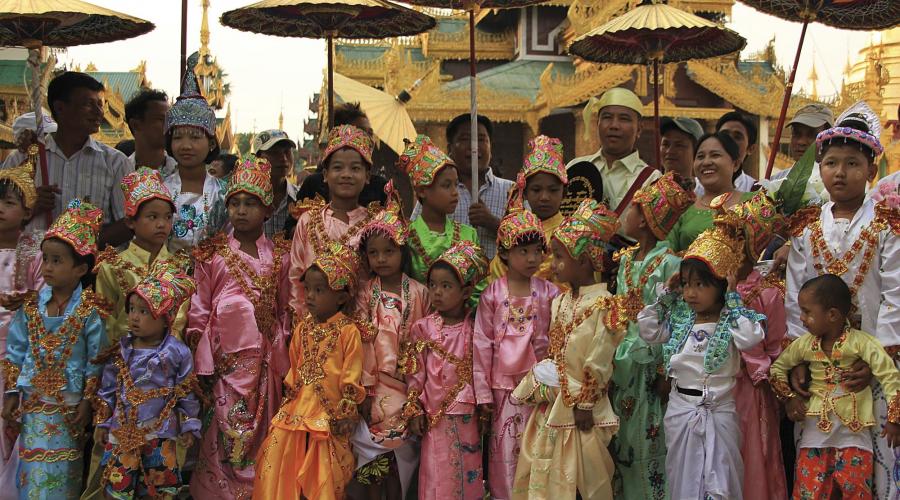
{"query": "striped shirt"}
{"type": "Point", "coordinates": [494, 193]}
{"type": "Point", "coordinates": [94, 172]}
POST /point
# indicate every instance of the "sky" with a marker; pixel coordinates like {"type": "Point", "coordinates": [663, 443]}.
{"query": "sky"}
{"type": "Point", "coordinates": [269, 75]}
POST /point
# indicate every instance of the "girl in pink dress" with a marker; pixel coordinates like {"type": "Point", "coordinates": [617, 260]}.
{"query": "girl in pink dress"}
{"type": "Point", "coordinates": [511, 335]}
{"type": "Point", "coordinates": [240, 316]}
{"type": "Point", "coordinates": [21, 264]}
{"type": "Point", "coordinates": [393, 302]}
{"type": "Point", "coordinates": [441, 404]}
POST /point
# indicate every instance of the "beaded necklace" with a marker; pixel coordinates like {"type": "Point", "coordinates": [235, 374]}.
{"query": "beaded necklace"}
{"type": "Point", "coordinates": [317, 229]}
{"type": "Point", "coordinates": [264, 303]}
{"type": "Point", "coordinates": [635, 294]}
{"type": "Point", "coordinates": [315, 352]}
{"type": "Point", "coordinates": [416, 244]}
{"type": "Point", "coordinates": [825, 261]}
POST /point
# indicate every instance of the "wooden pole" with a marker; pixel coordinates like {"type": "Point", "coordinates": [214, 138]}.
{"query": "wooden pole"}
{"type": "Point", "coordinates": [785, 102]}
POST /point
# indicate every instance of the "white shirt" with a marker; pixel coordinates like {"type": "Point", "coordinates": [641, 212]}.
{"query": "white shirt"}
{"type": "Point", "coordinates": [197, 215]}
{"type": "Point", "coordinates": [95, 171]}
{"type": "Point", "coordinates": [878, 297]}
{"type": "Point", "coordinates": [166, 169]}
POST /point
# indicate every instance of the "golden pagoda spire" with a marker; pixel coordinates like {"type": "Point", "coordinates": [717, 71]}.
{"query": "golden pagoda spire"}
{"type": "Point", "coordinates": [281, 120]}
{"type": "Point", "coordinates": [814, 78]}
{"type": "Point", "coordinates": [204, 30]}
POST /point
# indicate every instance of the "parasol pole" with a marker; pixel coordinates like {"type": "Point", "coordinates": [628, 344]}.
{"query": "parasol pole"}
{"type": "Point", "coordinates": [656, 109]}
{"type": "Point", "coordinates": [473, 105]}
{"type": "Point", "coordinates": [34, 60]}
{"type": "Point", "coordinates": [184, 13]}
{"type": "Point", "coordinates": [787, 96]}
{"type": "Point", "coordinates": [330, 40]}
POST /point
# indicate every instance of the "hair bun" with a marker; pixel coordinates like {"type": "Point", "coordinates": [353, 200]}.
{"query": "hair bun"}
{"type": "Point", "coordinates": [855, 121]}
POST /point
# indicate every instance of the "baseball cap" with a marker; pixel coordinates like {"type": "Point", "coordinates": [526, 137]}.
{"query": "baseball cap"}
{"type": "Point", "coordinates": [689, 126]}
{"type": "Point", "coordinates": [268, 138]}
{"type": "Point", "coordinates": [813, 115]}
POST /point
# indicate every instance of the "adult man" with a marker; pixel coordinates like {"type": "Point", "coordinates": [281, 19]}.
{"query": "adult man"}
{"type": "Point", "coordinates": [485, 213]}
{"type": "Point", "coordinates": [743, 131]}
{"type": "Point", "coordinates": [145, 114]}
{"type": "Point", "coordinates": [805, 126]}
{"type": "Point", "coordinates": [78, 166]}
{"type": "Point", "coordinates": [622, 171]}
{"type": "Point", "coordinates": [278, 149]}
{"type": "Point", "coordinates": [678, 145]}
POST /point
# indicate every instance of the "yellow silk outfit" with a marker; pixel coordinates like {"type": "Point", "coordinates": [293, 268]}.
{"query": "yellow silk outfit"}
{"type": "Point", "coordinates": [301, 456]}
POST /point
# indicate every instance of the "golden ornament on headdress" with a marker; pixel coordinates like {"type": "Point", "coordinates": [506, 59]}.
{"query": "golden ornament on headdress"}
{"type": "Point", "coordinates": [22, 176]}
{"type": "Point", "coordinates": [720, 247]}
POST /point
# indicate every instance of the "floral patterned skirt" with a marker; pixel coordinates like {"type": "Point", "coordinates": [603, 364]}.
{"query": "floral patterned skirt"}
{"type": "Point", "coordinates": [154, 473]}
{"type": "Point", "coordinates": [451, 465]}
{"type": "Point", "coordinates": [821, 472]}
{"type": "Point", "coordinates": [50, 456]}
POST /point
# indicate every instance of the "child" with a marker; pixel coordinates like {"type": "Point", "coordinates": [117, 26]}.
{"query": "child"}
{"type": "Point", "coordinates": [639, 448]}
{"type": "Point", "coordinates": [441, 403]}
{"type": "Point", "coordinates": [191, 140]}
{"type": "Point", "coordinates": [564, 446]}
{"type": "Point", "coordinates": [835, 450]}
{"type": "Point", "coordinates": [855, 238]}
{"type": "Point", "coordinates": [19, 251]}
{"type": "Point", "coordinates": [545, 186]}
{"type": "Point", "coordinates": [434, 181]}
{"type": "Point", "coordinates": [307, 453]}
{"type": "Point", "coordinates": [148, 213]}
{"type": "Point", "coordinates": [511, 336]}
{"type": "Point", "coordinates": [51, 342]}
{"type": "Point", "coordinates": [239, 316]}
{"type": "Point", "coordinates": [347, 164]}
{"type": "Point", "coordinates": [146, 397]}
{"type": "Point", "coordinates": [385, 458]}
{"type": "Point", "coordinates": [755, 402]}
{"type": "Point", "coordinates": [703, 323]}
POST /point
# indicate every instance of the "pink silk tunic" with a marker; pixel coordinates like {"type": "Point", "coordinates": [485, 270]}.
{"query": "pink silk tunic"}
{"type": "Point", "coordinates": [246, 365]}
{"type": "Point", "coordinates": [511, 335]}
{"type": "Point", "coordinates": [304, 251]}
{"type": "Point", "coordinates": [757, 407]}
{"type": "Point", "coordinates": [20, 271]}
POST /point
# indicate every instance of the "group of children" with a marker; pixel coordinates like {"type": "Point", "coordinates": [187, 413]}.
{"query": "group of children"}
{"type": "Point", "coordinates": [368, 354]}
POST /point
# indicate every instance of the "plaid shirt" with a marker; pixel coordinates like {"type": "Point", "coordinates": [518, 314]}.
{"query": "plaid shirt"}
{"type": "Point", "coordinates": [494, 193]}
{"type": "Point", "coordinates": [276, 222]}
{"type": "Point", "coordinates": [95, 171]}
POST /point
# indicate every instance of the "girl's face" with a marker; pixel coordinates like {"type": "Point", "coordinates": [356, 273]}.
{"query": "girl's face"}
{"type": "Point", "coordinates": [246, 212]}
{"type": "Point", "coordinates": [703, 298]}
{"type": "Point", "coordinates": [346, 174]}
{"type": "Point", "coordinates": [13, 213]}
{"type": "Point", "coordinates": [442, 195]}
{"type": "Point", "coordinates": [190, 146]}
{"type": "Point", "coordinates": [714, 167]}
{"type": "Point", "coordinates": [141, 322]}
{"type": "Point", "coordinates": [384, 256]}
{"type": "Point", "coordinates": [152, 223]}
{"type": "Point", "coordinates": [448, 295]}
{"type": "Point", "coordinates": [524, 259]}
{"type": "Point", "coordinates": [845, 171]}
{"type": "Point", "coordinates": [633, 224]}
{"type": "Point", "coordinates": [58, 267]}
{"type": "Point", "coordinates": [544, 194]}
{"type": "Point", "coordinates": [321, 301]}
{"type": "Point", "coordinates": [565, 268]}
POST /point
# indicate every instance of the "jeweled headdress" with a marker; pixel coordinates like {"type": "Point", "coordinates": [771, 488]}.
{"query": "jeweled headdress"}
{"type": "Point", "coordinates": [190, 108]}
{"type": "Point", "coordinates": [590, 225]}
{"type": "Point", "coordinates": [663, 202]}
{"type": "Point", "coordinates": [761, 222]}
{"type": "Point", "coordinates": [422, 160]}
{"type": "Point", "coordinates": [518, 222]}
{"type": "Point", "coordinates": [144, 184]}
{"type": "Point", "coordinates": [847, 128]}
{"type": "Point", "coordinates": [390, 221]}
{"type": "Point", "coordinates": [348, 136]}
{"type": "Point", "coordinates": [79, 226]}
{"type": "Point", "coordinates": [545, 155]}
{"type": "Point", "coordinates": [252, 176]}
{"type": "Point", "coordinates": [467, 259]}
{"type": "Point", "coordinates": [165, 288]}
{"type": "Point", "coordinates": [22, 177]}
{"type": "Point", "coordinates": [720, 247]}
{"type": "Point", "coordinates": [340, 265]}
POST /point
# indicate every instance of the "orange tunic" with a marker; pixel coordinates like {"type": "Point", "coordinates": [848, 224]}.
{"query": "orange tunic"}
{"type": "Point", "coordinates": [301, 456]}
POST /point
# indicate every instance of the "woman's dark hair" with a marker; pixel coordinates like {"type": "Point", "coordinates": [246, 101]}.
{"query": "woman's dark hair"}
{"type": "Point", "coordinates": [212, 155]}
{"type": "Point", "coordinates": [700, 271]}
{"type": "Point", "coordinates": [405, 253]}
{"type": "Point", "coordinates": [728, 145]}
{"type": "Point", "coordinates": [830, 291]}
{"type": "Point", "coordinates": [229, 161]}
{"type": "Point", "coordinates": [88, 280]}
{"type": "Point", "coordinates": [445, 266]}
{"type": "Point", "coordinates": [854, 121]}
{"type": "Point", "coordinates": [528, 239]}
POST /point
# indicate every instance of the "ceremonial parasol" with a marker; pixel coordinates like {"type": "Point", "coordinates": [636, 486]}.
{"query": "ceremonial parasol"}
{"type": "Point", "coordinates": [386, 113]}
{"type": "Point", "coordinates": [656, 33]}
{"type": "Point", "coordinates": [845, 14]}
{"type": "Point", "coordinates": [328, 19]}
{"type": "Point", "coordinates": [472, 6]}
{"type": "Point", "coordinates": [34, 24]}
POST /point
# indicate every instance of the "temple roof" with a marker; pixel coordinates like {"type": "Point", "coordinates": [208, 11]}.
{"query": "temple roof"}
{"type": "Point", "coordinates": [522, 78]}
{"type": "Point", "coordinates": [126, 83]}
{"type": "Point", "coordinates": [12, 73]}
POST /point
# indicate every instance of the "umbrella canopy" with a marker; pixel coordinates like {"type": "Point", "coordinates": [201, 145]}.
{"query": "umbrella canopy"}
{"type": "Point", "coordinates": [846, 14]}
{"type": "Point", "coordinates": [656, 33]}
{"type": "Point", "coordinates": [386, 113]}
{"type": "Point", "coordinates": [319, 18]}
{"type": "Point", "coordinates": [64, 23]}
